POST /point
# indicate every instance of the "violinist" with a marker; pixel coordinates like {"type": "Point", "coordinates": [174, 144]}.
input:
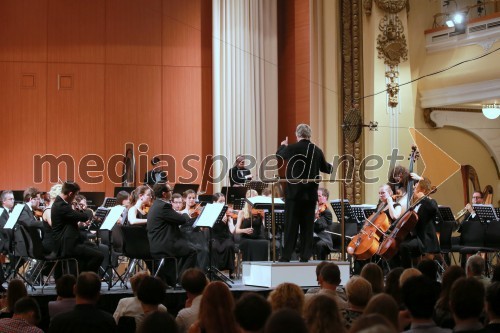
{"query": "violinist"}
{"type": "Point", "coordinates": [140, 199]}
{"type": "Point", "coordinates": [198, 237]}
{"type": "Point", "coordinates": [253, 243]}
{"type": "Point", "coordinates": [177, 202]}
{"type": "Point", "coordinates": [239, 174]}
{"type": "Point", "coordinates": [323, 244]}
{"type": "Point", "coordinates": [81, 205]}
{"type": "Point", "coordinates": [27, 218]}
{"type": "Point", "coordinates": [192, 208]}
{"type": "Point", "coordinates": [423, 238]}
{"type": "Point", "coordinates": [48, 242]}
{"type": "Point", "coordinates": [223, 243]}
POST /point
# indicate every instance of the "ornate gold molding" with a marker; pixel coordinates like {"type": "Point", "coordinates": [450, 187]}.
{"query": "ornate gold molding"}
{"type": "Point", "coordinates": [352, 89]}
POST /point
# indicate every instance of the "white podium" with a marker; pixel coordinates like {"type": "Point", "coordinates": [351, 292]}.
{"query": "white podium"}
{"type": "Point", "coordinates": [270, 274]}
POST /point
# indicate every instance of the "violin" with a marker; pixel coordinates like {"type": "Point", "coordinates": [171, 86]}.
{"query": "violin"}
{"type": "Point", "coordinates": [232, 213]}
{"type": "Point", "coordinates": [256, 212]}
{"type": "Point", "coordinates": [195, 211]}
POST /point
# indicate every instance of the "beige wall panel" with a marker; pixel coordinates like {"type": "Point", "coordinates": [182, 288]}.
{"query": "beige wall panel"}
{"type": "Point", "coordinates": [75, 115]}
{"type": "Point", "coordinates": [22, 108]}
{"type": "Point", "coordinates": [133, 112]}
{"type": "Point", "coordinates": [23, 30]}
{"type": "Point", "coordinates": [76, 31]}
{"type": "Point", "coordinates": [133, 32]}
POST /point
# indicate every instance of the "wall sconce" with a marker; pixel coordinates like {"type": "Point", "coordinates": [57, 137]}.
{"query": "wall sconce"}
{"type": "Point", "coordinates": [491, 111]}
{"type": "Point", "coordinates": [457, 20]}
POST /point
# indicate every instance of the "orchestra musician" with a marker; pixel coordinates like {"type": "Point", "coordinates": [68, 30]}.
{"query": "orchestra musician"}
{"type": "Point", "coordinates": [198, 237]}
{"type": "Point", "coordinates": [392, 209]}
{"type": "Point", "coordinates": [47, 241]}
{"type": "Point", "coordinates": [223, 243]}
{"type": "Point", "coordinates": [477, 199]}
{"type": "Point", "coordinates": [323, 244]}
{"type": "Point", "coordinates": [140, 199]}
{"type": "Point", "coordinates": [27, 218]}
{"type": "Point", "coordinates": [165, 236]}
{"type": "Point", "coordinates": [239, 174]}
{"type": "Point", "coordinates": [177, 202]}
{"type": "Point", "coordinates": [423, 238]}
{"type": "Point", "coordinates": [250, 226]}
{"type": "Point", "coordinates": [67, 238]}
{"type": "Point", "coordinates": [301, 198]}
{"type": "Point", "coordinates": [8, 203]}
{"type": "Point", "coordinates": [155, 175]}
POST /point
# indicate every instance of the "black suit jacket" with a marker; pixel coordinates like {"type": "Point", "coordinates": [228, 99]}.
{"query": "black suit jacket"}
{"type": "Point", "coordinates": [322, 223]}
{"type": "Point", "coordinates": [84, 318]}
{"type": "Point", "coordinates": [305, 161]}
{"type": "Point", "coordinates": [65, 230]}
{"type": "Point", "coordinates": [27, 218]}
{"type": "Point", "coordinates": [237, 175]}
{"type": "Point", "coordinates": [5, 235]}
{"type": "Point", "coordinates": [151, 175]}
{"type": "Point", "coordinates": [165, 237]}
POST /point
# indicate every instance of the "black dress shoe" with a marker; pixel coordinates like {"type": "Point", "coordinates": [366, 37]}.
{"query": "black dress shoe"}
{"type": "Point", "coordinates": [283, 260]}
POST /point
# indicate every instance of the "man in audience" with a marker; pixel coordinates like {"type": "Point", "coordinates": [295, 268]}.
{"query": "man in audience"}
{"type": "Point", "coordinates": [493, 308]}
{"type": "Point", "coordinates": [419, 297]}
{"type": "Point", "coordinates": [151, 293]}
{"type": "Point", "coordinates": [194, 282]}
{"type": "Point", "coordinates": [85, 317]}
{"type": "Point", "coordinates": [329, 280]}
{"type": "Point", "coordinates": [251, 312]}
{"type": "Point", "coordinates": [26, 317]}
{"type": "Point", "coordinates": [66, 300]}
{"type": "Point", "coordinates": [466, 305]}
{"type": "Point", "coordinates": [475, 268]}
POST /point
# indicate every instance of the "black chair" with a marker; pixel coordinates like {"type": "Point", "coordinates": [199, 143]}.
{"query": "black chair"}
{"type": "Point", "coordinates": [29, 247]}
{"type": "Point", "coordinates": [473, 239]}
{"type": "Point", "coordinates": [351, 229]}
{"type": "Point", "coordinates": [492, 242]}
{"type": "Point", "coordinates": [445, 243]}
{"type": "Point", "coordinates": [136, 248]}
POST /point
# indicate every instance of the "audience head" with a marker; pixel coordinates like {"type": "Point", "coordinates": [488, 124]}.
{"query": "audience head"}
{"type": "Point", "coordinates": [158, 322]}
{"type": "Point", "coordinates": [419, 296]}
{"type": "Point", "coordinates": [252, 311]}
{"type": "Point", "coordinates": [65, 286]}
{"type": "Point", "coordinates": [15, 291]}
{"type": "Point", "coordinates": [88, 287]}
{"type": "Point", "coordinates": [450, 275]}
{"type": "Point", "coordinates": [330, 275]}
{"type": "Point", "coordinates": [392, 284]}
{"type": "Point", "coordinates": [466, 298]}
{"type": "Point", "coordinates": [216, 309]}
{"type": "Point", "coordinates": [319, 267]}
{"type": "Point", "coordinates": [322, 315]}
{"type": "Point", "coordinates": [428, 268]}
{"type": "Point", "coordinates": [287, 295]}
{"type": "Point", "coordinates": [136, 280]}
{"type": "Point", "coordinates": [374, 274]}
{"type": "Point", "coordinates": [27, 308]}
{"type": "Point", "coordinates": [475, 266]}
{"type": "Point", "coordinates": [151, 291]}
{"type": "Point", "coordinates": [372, 323]}
{"type": "Point", "coordinates": [384, 305]}
{"type": "Point", "coordinates": [194, 281]}
{"type": "Point", "coordinates": [408, 273]}
{"type": "Point", "coordinates": [286, 321]}
{"type": "Point", "coordinates": [493, 301]}
{"type": "Point", "coordinates": [358, 291]}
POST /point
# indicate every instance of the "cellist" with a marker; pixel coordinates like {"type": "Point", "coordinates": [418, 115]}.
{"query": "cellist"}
{"type": "Point", "coordinates": [392, 209]}
{"type": "Point", "coordinates": [422, 239]}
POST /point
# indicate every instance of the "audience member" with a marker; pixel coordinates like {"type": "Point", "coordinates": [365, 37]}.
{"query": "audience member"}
{"type": "Point", "coordinates": [15, 291]}
{"type": "Point", "coordinates": [359, 292]}
{"type": "Point", "coordinates": [66, 300]}
{"type": "Point", "coordinates": [408, 273]}
{"type": "Point", "coordinates": [216, 311]}
{"type": "Point", "coordinates": [286, 321]}
{"type": "Point", "coordinates": [26, 317]}
{"type": "Point", "coordinates": [385, 305]}
{"type": "Point", "coordinates": [373, 274]}
{"type": "Point", "coordinates": [374, 322]}
{"type": "Point", "coordinates": [475, 268]}
{"type": "Point", "coordinates": [466, 303]}
{"type": "Point", "coordinates": [287, 295]}
{"type": "Point", "coordinates": [131, 306]}
{"type": "Point", "coordinates": [442, 311]}
{"type": "Point", "coordinates": [85, 317]}
{"type": "Point", "coordinates": [493, 308]}
{"type": "Point", "coordinates": [194, 281]}
{"type": "Point", "coordinates": [392, 287]}
{"type": "Point", "coordinates": [158, 322]}
{"type": "Point", "coordinates": [150, 292]}
{"type": "Point", "coordinates": [322, 315]}
{"type": "Point", "coordinates": [329, 280]}
{"type": "Point", "coordinates": [251, 312]}
{"type": "Point", "coordinates": [419, 297]}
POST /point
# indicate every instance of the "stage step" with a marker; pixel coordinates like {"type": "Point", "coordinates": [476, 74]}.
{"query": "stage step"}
{"type": "Point", "coordinates": [270, 274]}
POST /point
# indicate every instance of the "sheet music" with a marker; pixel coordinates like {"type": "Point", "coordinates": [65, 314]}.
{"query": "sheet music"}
{"type": "Point", "coordinates": [11, 222]}
{"type": "Point", "coordinates": [264, 200]}
{"type": "Point", "coordinates": [114, 214]}
{"type": "Point", "coordinates": [209, 215]}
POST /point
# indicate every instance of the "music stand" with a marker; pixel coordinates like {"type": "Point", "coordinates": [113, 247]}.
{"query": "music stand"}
{"type": "Point", "coordinates": [109, 202]}
{"type": "Point", "coordinates": [109, 222]}
{"type": "Point", "coordinates": [349, 216]}
{"type": "Point", "coordinates": [211, 214]}
{"type": "Point", "coordinates": [256, 185]}
{"type": "Point", "coordinates": [444, 214]}
{"type": "Point", "coordinates": [127, 189]}
{"type": "Point", "coordinates": [359, 211]}
{"type": "Point", "coordinates": [94, 199]}
{"type": "Point", "coordinates": [233, 193]}
{"type": "Point", "coordinates": [18, 196]}
{"type": "Point", "coordinates": [497, 210]}
{"type": "Point", "coordinates": [485, 212]}
{"type": "Point", "coordinates": [207, 198]}
{"type": "Point", "coordinates": [181, 188]}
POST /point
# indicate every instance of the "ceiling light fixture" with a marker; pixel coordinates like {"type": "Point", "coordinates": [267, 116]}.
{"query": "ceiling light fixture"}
{"type": "Point", "coordinates": [491, 111]}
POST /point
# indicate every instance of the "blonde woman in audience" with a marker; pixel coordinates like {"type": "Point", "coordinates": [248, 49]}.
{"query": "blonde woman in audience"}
{"type": "Point", "coordinates": [359, 292]}
{"type": "Point", "coordinates": [322, 315]}
{"type": "Point", "coordinates": [216, 311]}
{"type": "Point", "coordinates": [287, 295]}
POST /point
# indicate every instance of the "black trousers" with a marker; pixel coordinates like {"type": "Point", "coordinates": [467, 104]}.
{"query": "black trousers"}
{"type": "Point", "coordinates": [89, 257]}
{"type": "Point", "coordinates": [299, 214]}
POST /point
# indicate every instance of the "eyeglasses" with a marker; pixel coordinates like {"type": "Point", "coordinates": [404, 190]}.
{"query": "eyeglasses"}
{"type": "Point", "coordinates": [477, 197]}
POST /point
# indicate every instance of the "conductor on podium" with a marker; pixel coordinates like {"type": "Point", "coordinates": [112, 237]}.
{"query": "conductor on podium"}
{"type": "Point", "coordinates": [305, 161]}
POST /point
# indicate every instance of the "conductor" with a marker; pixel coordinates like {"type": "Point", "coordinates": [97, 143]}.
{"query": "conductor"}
{"type": "Point", "coordinates": [305, 161]}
